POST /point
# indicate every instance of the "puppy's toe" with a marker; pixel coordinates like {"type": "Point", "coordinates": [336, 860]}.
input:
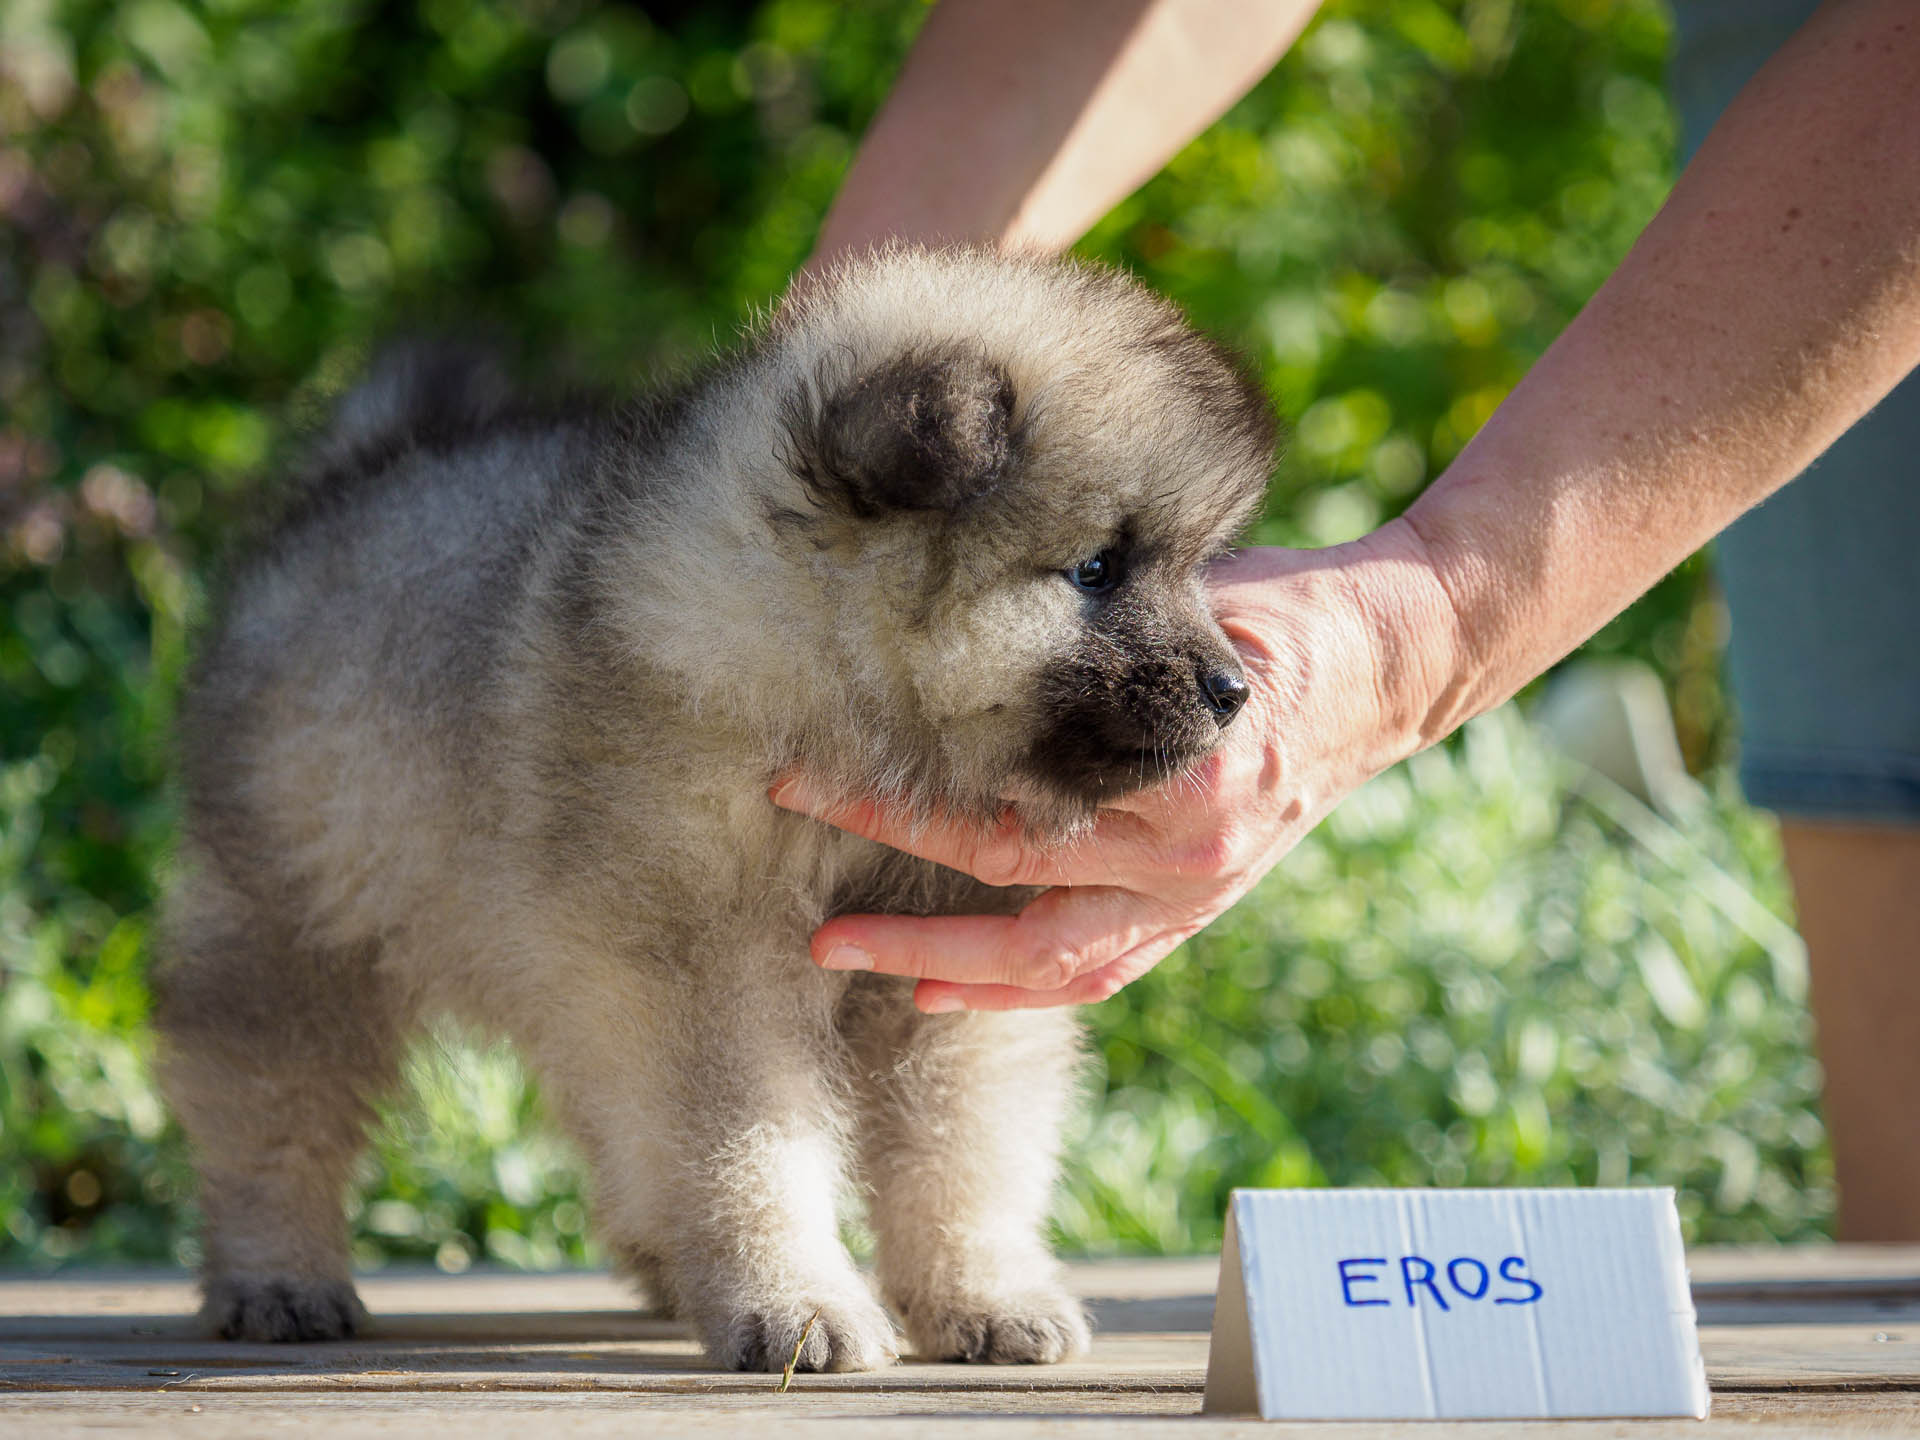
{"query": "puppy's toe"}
{"type": "Point", "coordinates": [841, 1336]}
{"type": "Point", "coordinates": [1038, 1329]}
{"type": "Point", "coordinates": [281, 1308]}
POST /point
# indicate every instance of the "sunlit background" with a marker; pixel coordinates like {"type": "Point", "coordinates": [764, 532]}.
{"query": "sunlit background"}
{"type": "Point", "coordinates": [1490, 967]}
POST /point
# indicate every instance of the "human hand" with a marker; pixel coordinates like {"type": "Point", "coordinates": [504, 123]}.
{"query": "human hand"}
{"type": "Point", "coordinates": [1347, 651]}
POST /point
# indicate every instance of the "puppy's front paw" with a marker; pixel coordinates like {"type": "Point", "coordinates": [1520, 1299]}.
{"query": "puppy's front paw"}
{"type": "Point", "coordinates": [1040, 1328]}
{"type": "Point", "coordinates": [278, 1308]}
{"type": "Point", "coordinates": [842, 1336]}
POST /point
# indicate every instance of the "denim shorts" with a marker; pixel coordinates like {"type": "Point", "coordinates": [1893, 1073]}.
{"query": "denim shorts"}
{"type": "Point", "coordinates": [1823, 580]}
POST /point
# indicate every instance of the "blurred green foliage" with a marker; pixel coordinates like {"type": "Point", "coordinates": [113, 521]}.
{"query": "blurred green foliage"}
{"type": "Point", "coordinates": [1482, 970]}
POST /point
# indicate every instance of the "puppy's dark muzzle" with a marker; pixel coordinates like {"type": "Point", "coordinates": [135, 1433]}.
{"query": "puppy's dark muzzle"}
{"type": "Point", "coordinates": [1225, 691]}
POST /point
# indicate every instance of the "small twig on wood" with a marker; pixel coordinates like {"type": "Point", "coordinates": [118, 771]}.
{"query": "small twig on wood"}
{"type": "Point", "coordinates": [786, 1375]}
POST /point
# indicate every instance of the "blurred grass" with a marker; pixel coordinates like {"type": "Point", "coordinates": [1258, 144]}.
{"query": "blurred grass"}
{"type": "Point", "coordinates": [1481, 970]}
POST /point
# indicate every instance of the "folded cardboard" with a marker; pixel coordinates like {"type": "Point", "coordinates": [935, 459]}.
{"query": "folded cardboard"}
{"type": "Point", "coordinates": [1454, 1305]}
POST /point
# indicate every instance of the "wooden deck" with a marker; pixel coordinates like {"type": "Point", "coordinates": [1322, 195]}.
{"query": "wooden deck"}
{"type": "Point", "coordinates": [1797, 1342]}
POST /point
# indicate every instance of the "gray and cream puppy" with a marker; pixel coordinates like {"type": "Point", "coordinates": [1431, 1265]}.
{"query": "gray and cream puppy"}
{"type": "Point", "coordinates": [485, 730]}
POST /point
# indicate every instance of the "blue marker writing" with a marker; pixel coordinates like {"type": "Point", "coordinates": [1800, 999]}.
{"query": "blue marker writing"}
{"type": "Point", "coordinates": [1407, 1262]}
{"type": "Point", "coordinates": [1453, 1277]}
{"type": "Point", "coordinates": [1349, 1280]}
{"type": "Point", "coordinates": [1507, 1268]}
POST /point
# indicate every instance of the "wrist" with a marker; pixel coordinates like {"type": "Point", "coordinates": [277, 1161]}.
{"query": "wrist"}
{"type": "Point", "coordinates": [1424, 657]}
{"type": "Point", "coordinates": [1434, 621]}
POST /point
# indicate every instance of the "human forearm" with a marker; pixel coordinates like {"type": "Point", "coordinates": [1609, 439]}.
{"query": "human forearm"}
{"type": "Point", "coordinates": [1771, 303]}
{"type": "Point", "coordinates": [1021, 122]}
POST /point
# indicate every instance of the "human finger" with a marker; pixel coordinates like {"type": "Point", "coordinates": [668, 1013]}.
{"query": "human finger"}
{"type": "Point", "coordinates": [1120, 847]}
{"type": "Point", "coordinates": [936, 997]}
{"type": "Point", "coordinates": [1063, 934]}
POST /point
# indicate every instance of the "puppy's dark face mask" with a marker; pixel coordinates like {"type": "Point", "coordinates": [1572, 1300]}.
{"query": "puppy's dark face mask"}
{"type": "Point", "coordinates": [1029, 547]}
{"type": "Point", "coordinates": [1148, 687]}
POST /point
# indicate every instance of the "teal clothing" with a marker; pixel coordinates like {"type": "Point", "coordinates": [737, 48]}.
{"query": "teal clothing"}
{"type": "Point", "coordinates": [1823, 580]}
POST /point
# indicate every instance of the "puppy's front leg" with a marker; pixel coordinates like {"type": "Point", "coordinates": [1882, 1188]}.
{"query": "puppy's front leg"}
{"type": "Point", "coordinates": [960, 1134]}
{"type": "Point", "coordinates": [708, 1100]}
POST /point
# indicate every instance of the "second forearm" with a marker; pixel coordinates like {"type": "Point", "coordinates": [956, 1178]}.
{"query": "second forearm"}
{"type": "Point", "coordinates": [1772, 302]}
{"type": "Point", "coordinates": [1019, 123]}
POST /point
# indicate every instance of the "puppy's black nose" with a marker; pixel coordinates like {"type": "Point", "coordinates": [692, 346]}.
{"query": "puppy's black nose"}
{"type": "Point", "coordinates": [1226, 692]}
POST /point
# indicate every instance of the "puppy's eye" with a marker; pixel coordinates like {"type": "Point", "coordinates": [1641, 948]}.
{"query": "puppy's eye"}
{"type": "Point", "coordinates": [1096, 574]}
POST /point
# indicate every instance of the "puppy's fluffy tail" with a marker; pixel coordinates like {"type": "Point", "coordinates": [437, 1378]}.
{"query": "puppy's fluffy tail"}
{"type": "Point", "coordinates": [424, 394]}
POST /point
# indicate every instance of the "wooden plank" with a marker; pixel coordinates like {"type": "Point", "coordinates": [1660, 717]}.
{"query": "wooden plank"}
{"type": "Point", "coordinates": [1756, 1264]}
{"type": "Point", "coordinates": [1814, 1342]}
{"type": "Point", "coordinates": [479, 1416]}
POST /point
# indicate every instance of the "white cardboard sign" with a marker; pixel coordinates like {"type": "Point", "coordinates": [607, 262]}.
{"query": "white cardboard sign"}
{"type": "Point", "coordinates": [1454, 1305]}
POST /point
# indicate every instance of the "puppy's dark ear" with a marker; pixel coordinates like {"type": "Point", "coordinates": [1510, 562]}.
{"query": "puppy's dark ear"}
{"type": "Point", "coordinates": [924, 431]}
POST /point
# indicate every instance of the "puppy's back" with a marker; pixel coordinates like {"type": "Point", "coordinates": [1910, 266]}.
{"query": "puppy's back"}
{"type": "Point", "coordinates": [330, 726]}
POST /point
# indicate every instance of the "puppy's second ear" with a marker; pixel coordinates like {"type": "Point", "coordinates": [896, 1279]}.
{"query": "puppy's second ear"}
{"type": "Point", "coordinates": [924, 431]}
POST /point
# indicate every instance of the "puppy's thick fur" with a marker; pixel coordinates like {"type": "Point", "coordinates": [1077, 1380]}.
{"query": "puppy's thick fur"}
{"type": "Point", "coordinates": [485, 729]}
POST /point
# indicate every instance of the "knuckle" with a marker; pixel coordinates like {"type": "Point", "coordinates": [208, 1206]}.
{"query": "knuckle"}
{"type": "Point", "coordinates": [1000, 865]}
{"type": "Point", "coordinates": [1052, 968]}
{"type": "Point", "coordinates": [1212, 853]}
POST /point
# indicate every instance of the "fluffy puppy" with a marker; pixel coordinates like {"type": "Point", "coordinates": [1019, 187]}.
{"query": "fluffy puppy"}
{"type": "Point", "coordinates": [485, 730]}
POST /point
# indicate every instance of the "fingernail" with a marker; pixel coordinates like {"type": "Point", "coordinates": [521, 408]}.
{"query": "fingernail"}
{"type": "Point", "coordinates": [847, 957]}
{"type": "Point", "coordinates": [943, 1005]}
{"type": "Point", "coordinates": [792, 795]}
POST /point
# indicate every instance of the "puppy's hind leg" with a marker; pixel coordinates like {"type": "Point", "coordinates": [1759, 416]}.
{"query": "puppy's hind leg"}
{"type": "Point", "coordinates": [271, 1057]}
{"type": "Point", "coordinates": [960, 1132]}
